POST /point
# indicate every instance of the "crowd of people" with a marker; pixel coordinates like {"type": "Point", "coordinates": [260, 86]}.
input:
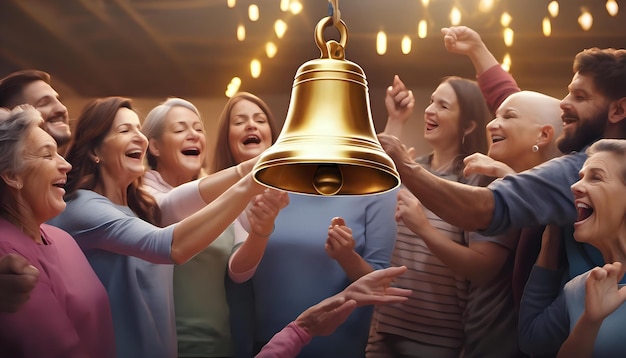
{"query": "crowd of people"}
{"type": "Point", "coordinates": [508, 239]}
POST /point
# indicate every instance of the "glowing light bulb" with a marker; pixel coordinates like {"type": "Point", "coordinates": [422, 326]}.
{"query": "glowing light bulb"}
{"type": "Point", "coordinates": [506, 62]}
{"type": "Point", "coordinates": [422, 29]}
{"type": "Point", "coordinates": [508, 37]}
{"type": "Point", "coordinates": [231, 3]}
{"type": "Point", "coordinates": [270, 49]}
{"type": "Point", "coordinates": [405, 45]}
{"type": "Point", "coordinates": [255, 68]}
{"type": "Point", "coordinates": [295, 7]}
{"type": "Point", "coordinates": [253, 12]}
{"type": "Point", "coordinates": [233, 87]}
{"type": "Point", "coordinates": [485, 5]}
{"type": "Point", "coordinates": [585, 20]}
{"type": "Point", "coordinates": [612, 7]}
{"type": "Point", "coordinates": [553, 8]}
{"type": "Point", "coordinates": [241, 32]}
{"type": "Point", "coordinates": [381, 43]}
{"type": "Point", "coordinates": [505, 19]}
{"type": "Point", "coordinates": [280, 27]}
{"type": "Point", "coordinates": [546, 27]}
{"type": "Point", "coordinates": [455, 16]}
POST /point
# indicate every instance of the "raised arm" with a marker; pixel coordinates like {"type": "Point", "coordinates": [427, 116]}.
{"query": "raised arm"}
{"type": "Point", "coordinates": [215, 184]}
{"type": "Point", "coordinates": [479, 262]}
{"type": "Point", "coordinates": [468, 207]}
{"type": "Point", "coordinates": [196, 232]}
{"type": "Point", "coordinates": [495, 83]}
{"type": "Point", "coordinates": [257, 227]}
{"type": "Point", "coordinates": [399, 102]}
{"type": "Point", "coordinates": [602, 297]}
{"type": "Point", "coordinates": [323, 318]}
{"type": "Point", "coordinates": [465, 41]}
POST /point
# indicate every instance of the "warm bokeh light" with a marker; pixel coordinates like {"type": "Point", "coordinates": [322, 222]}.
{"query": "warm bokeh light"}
{"type": "Point", "coordinates": [485, 5]}
{"type": "Point", "coordinates": [508, 36]}
{"type": "Point", "coordinates": [280, 27]}
{"type": "Point", "coordinates": [270, 49]}
{"type": "Point", "coordinates": [231, 3]}
{"type": "Point", "coordinates": [505, 19]}
{"type": "Point", "coordinates": [295, 7]}
{"type": "Point", "coordinates": [241, 32]}
{"type": "Point", "coordinates": [585, 20]}
{"type": "Point", "coordinates": [546, 27]}
{"type": "Point", "coordinates": [506, 63]}
{"type": "Point", "coordinates": [455, 16]}
{"type": "Point", "coordinates": [255, 68]}
{"type": "Point", "coordinates": [425, 3]}
{"type": "Point", "coordinates": [553, 8]}
{"type": "Point", "coordinates": [422, 29]}
{"type": "Point", "coordinates": [612, 7]}
{"type": "Point", "coordinates": [284, 5]}
{"type": "Point", "coordinates": [381, 43]}
{"type": "Point", "coordinates": [253, 12]}
{"type": "Point", "coordinates": [405, 45]}
{"type": "Point", "coordinates": [233, 87]}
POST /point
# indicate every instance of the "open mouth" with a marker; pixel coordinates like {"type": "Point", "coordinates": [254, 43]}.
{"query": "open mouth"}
{"type": "Point", "coordinates": [135, 154]}
{"type": "Point", "coordinates": [251, 139]}
{"type": "Point", "coordinates": [568, 120]}
{"type": "Point", "coordinates": [497, 138]}
{"type": "Point", "coordinates": [191, 151]}
{"type": "Point", "coordinates": [583, 211]}
{"type": "Point", "coordinates": [60, 183]}
{"type": "Point", "coordinates": [431, 125]}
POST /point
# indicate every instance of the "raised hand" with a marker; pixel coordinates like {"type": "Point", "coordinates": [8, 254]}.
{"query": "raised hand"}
{"type": "Point", "coordinates": [339, 243]}
{"type": "Point", "coordinates": [263, 209]}
{"type": "Point", "coordinates": [411, 212]}
{"type": "Point", "coordinates": [603, 296]}
{"type": "Point", "coordinates": [479, 163]}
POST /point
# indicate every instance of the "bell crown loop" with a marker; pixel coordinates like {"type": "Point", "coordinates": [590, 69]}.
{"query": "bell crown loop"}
{"type": "Point", "coordinates": [331, 49]}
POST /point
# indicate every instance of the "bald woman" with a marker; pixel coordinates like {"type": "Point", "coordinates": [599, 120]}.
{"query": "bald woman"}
{"type": "Point", "coordinates": [521, 136]}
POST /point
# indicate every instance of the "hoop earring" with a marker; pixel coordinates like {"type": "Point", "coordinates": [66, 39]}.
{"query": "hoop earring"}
{"type": "Point", "coordinates": [535, 148]}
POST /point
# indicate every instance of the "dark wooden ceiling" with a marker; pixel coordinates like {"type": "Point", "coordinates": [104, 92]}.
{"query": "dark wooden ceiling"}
{"type": "Point", "coordinates": [159, 48]}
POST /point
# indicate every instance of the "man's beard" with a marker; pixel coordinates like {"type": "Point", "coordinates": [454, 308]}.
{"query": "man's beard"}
{"type": "Point", "coordinates": [587, 131]}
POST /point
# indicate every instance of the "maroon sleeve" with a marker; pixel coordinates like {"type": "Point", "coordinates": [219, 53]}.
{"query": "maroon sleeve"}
{"type": "Point", "coordinates": [496, 85]}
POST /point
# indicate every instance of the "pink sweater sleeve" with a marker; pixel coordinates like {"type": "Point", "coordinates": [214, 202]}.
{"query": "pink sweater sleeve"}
{"type": "Point", "coordinates": [287, 343]}
{"type": "Point", "coordinates": [496, 85]}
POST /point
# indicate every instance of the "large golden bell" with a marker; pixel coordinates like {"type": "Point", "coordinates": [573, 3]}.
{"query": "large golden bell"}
{"type": "Point", "coordinates": [328, 145]}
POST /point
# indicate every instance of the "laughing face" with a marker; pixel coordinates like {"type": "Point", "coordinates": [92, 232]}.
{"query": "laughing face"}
{"type": "Point", "coordinates": [441, 118]}
{"type": "Point", "coordinates": [44, 176]}
{"type": "Point", "coordinates": [513, 132]}
{"type": "Point", "coordinates": [599, 198]}
{"type": "Point", "coordinates": [249, 132]}
{"type": "Point", "coordinates": [123, 149]}
{"type": "Point", "coordinates": [584, 114]}
{"type": "Point", "coordinates": [45, 99]}
{"type": "Point", "coordinates": [180, 148]}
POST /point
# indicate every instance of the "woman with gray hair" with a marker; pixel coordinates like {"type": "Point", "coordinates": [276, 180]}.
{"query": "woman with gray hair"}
{"type": "Point", "coordinates": [67, 313]}
{"type": "Point", "coordinates": [176, 155]}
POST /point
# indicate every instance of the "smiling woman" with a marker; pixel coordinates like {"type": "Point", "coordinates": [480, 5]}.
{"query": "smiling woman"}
{"type": "Point", "coordinates": [52, 322]}
{"type": "Point", "coordinates": [590, 310]}
{"type": "Point", "coordinates": [120, 227]}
